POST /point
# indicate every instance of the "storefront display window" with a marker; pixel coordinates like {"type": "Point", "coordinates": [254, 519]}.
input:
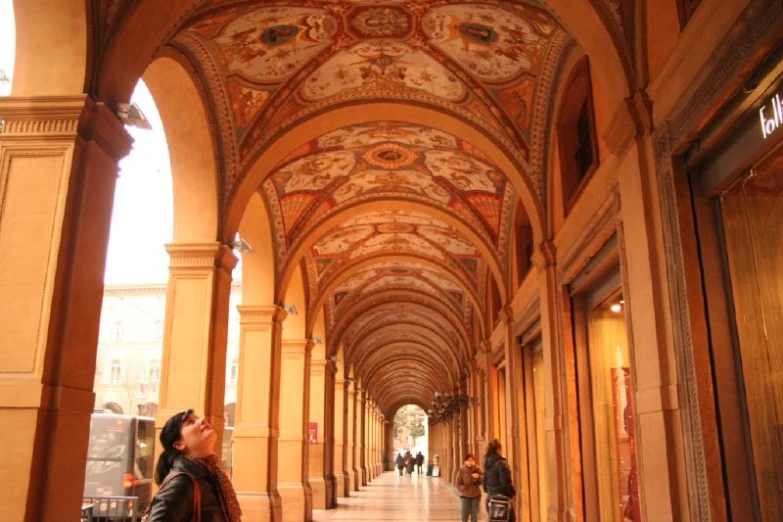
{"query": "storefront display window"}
{"type": "Point", "coordinates": [613, 411]}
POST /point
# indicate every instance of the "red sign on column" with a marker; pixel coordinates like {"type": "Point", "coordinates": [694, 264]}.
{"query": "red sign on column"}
{"type": "Point", "coordinates": [312, 433]}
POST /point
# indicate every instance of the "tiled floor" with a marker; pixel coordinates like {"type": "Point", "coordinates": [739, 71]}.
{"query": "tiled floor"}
{"type": "Point", "coordinates": [391, 497]}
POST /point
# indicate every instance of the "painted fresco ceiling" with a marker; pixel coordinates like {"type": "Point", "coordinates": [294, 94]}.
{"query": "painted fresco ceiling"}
{"type": "Point", "coordinates": [399, 227]}
{"type": "Point", "coordinates": [489, 62]}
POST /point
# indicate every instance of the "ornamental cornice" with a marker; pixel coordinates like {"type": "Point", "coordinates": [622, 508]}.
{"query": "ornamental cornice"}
{"type": "Point", "coordinates": [65, 117]}
{"type": "Point", "coordinates": [261, 315]}
{"type": "Point", "coordinates": [201, 255]}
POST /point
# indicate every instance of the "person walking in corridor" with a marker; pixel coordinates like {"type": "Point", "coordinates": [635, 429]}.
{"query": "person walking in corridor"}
{"type": "Point", "coordinates": [419, 462]}
{"type": "Point", "coordinates": [497, 484]}
{"type": "Point", "coordinates": [400, 462]}
{"type": "Point", "coordinates": [468, 484]}
{"type": "Point", "coordinates": [192, 485]}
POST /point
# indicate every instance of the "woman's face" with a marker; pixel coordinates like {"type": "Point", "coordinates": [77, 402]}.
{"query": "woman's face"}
{"type": "Point", "coordinates": [197, 437]}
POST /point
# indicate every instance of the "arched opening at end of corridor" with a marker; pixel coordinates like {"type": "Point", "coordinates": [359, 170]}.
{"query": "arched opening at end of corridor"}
{"type": "Point", "coordinates": [411, 441]}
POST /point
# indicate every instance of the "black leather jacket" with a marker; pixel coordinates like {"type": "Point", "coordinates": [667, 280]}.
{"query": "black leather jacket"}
{"type": "Point", "coordinates": [174, 502]}
{"type": "Point", "coordinates": [497, 477]}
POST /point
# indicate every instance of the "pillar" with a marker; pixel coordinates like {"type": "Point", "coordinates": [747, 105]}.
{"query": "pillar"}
{"type": "Point", "coordinates": [317, 417]}
{"type": "Point", "coordinates": [351, 461]}
{"type": "Point", "coordinates": [363, 437]}
{"type": "Point", "coordinates": [388, 444]}
{"type": "Point", "coordinates": [257, 421]}
{"type": "Point", "coordinates": [292, 466]}
{"type": "Point", "coordinates": [193, 366]}
{"type": "Point", "coordinates": [58, 170]}
{"type": "Point", "coordinates": [556, 407]}
{"type": "Point", "coordinates": [329, 435]}
{"type": "Point", "coordinates": [342, 486]}
{"type": "Point", "coordinates": [358, 417]}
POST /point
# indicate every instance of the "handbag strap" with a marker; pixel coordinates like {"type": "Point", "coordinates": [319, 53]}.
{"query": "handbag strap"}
{"type": "Point", "coordinates": [196, 515]}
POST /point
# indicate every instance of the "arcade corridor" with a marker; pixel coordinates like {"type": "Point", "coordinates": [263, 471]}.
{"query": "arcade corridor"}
{"type": "Point", "coordinates": [545, 222]}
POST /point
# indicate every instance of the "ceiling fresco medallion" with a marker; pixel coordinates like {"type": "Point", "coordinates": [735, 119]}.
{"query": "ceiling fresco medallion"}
{"type": "Point", "coordinates": [382, 65]}
{"type": "Point", "coordinates": [379, 22]}
{"type": "Point", "coordinates": [271, 44]}
{"type": "Point", "coordinates": [389, 156]}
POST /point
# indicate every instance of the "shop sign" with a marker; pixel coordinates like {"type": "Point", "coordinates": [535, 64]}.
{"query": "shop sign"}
{"type": "Point", "coordinates": [771, 115]}
{"type": "Point", "coordinates": [312, 433]}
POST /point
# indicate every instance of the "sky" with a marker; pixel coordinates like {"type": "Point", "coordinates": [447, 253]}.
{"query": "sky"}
{"type": "Point", "coordinates": [143, 214]}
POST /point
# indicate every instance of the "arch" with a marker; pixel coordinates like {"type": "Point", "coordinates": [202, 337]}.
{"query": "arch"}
{"type": "Point", "coordinates": [392, 297]}
{"type": "Point", "coordinates": [482, 245]}
{"type": "Point", "coordinates": [258, 266]}
{"type": "Point", "coordinates": [365, 113]}
{"type": "Point", "coordinates": [194, 165]}
{"type": "Point", "coordinates": [366, 263]}
{"type": "Point", "coordinates": [53, 48]}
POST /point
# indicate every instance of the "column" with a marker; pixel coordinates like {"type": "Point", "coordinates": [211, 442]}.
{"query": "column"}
{"type": "Point", "coordinates": [58, 169]}
{"type": "Point", "coordinates": [193, 366]}
{"type": "Point", "coordinates": [317, 417]}
{"type": "Point", "coordinates": [350, 450]}
{"type": "Point", "coordinates": [340, 433]}
{"type": "Point", "coordinates": [556, 403]}
{"type": "Point", "coordinates": [256, 429]}
{"type": "Point", "coordinates": [362, 420]}
{"type": "Point", "coordinates": [357, 437]}
{"type": "Point", "coordinates": [329, 435]}
{"type": "Point", "coordinates": [292, 465]}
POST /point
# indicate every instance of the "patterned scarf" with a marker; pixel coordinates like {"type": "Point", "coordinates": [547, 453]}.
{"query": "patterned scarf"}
{"type": "Point", "coordinates": [228, 498]}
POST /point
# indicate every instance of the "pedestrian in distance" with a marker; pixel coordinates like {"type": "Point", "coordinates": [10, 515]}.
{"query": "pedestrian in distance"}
{"type": "Point", "coordinates": [469, 486]}
{"type": "Point", "coordinates": [400, 462]}
{"type": "Point", "coordinates": [192, 485]}
{"type": "Point", "coordinates": [419, 462]}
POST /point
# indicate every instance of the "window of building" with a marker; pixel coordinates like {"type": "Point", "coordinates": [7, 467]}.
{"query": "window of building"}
{"type": "Point", "coordinates": [159, 329]}
{"type": "Point", "coordinates": [119, 331]}
{"type": "Point", "coordinates": [153, 374]}
{"type": "Point", "coordinates": [686, 8]}
{"type": "Point", "coordinates": [576, 133]}
{"type": "Point", "coordinates": [115, 371]}
{"type": "Point", "coordinates": [233, 371]}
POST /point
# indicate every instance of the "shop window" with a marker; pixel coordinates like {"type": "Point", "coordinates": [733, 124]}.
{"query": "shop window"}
{"type": "Point", "coordinates": [686, 8]}
{"type": "Point", "coordinates": [115, 371]}
{"type": "Point", "coordinates": [576, 133]}
{"type": "Point", "coordinates": [524, 242]}
{"type": "Point", "coordinates": [606, 403]}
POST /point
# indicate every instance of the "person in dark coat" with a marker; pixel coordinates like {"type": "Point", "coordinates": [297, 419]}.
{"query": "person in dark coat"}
{"type": "Point", "coordinates": [497, 476]}
{"type": "Point", "coordinates": [188, 469]}
{"type": "Point", "coordinates": [408, 463]}
{"type": "Point", "coordinates": [400, 462]}
{"type": "Point", "coordinates": [419, 462]}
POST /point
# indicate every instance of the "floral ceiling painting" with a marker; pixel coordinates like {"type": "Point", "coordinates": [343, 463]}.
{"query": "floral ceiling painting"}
{"type": "Point", "coordinates": [484, 60]}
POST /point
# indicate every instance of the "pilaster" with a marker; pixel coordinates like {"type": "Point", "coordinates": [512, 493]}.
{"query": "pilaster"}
{"type": "Point", "coordinates": [317, 416]}
{"type": "Point", "coordinates": [58, 170]}
{"type": "Point", "coordinates": [256, 430]}
{"type": "Point", "coordinates": [340, 444]}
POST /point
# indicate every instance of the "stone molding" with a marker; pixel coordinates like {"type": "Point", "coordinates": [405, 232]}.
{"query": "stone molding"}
{"type": "Point", "coordinates": [545, 256]}
{"type": "Point", "coordinates": [261, 315]}
{"type": "Point", "coordinates": [65, 117]}
{"type": "Point", "coordinates": [631, 120]}
{"type": "Point", "coordinates": [201, 255]}
{"type": "Point", "coordinates": [595, 233]}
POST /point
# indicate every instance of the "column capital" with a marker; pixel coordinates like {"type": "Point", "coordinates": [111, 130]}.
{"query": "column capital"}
{"type": "Point", "coordinates": [65, 117]}
{"type": "Point", "coordinates": [506, 315]}
{"type": "Point", "coordinates": [261, 315]}
{"type": "Point", "coordinates": [485, 346]}
{"type": "Point", "coordinates": [201, 255]}
{"type": "Point", "coordinates": [545, 255]}
{"type": "Point", "coordinates": [302, 346]}
{"type": "Point", "coordinates": [631, 120]}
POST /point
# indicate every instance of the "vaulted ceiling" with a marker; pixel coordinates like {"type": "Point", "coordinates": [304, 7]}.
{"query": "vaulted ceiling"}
{"type": "Point", "coordinates": [400, 227]}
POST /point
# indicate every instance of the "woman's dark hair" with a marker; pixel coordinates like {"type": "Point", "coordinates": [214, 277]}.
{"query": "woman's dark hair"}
{"type": "Point", "coordinates": [493, 448]}
{"type": "Point", "coordinates": [468, 457]}
{"type": "Point", "coordinates": [169, 435]}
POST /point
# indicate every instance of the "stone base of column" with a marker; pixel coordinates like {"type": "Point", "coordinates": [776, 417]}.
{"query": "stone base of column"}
{"type": "Point", "coordinates": [318, 491]}
{"type": "Point", "coordinates": [340, 484]}
{"type": "Point", "coordinates": [363, 473]}
{"type": "Point", "coordinates": [356, 475]}
{"type": "Point", "coordinates": [260, 507]}
{"type": "Point", "coordinates": [297, 502]}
